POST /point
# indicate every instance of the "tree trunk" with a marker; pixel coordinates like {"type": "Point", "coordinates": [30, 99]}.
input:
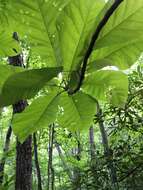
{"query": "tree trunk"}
{"type": "Point", "coordinates": [37, 162]}
{"type": "Point", "coordinates": [23, 151]}
{"type": "Point", "coordinates": [50, 158]}
{"type": "Point", "coordinates": [93, 159]}
{"type": "Point", "coordinates": [24, 165]}
{"type": "Point", "coordinates": [76, 170]}
{"type": "Point", "coordinates": [5, 151]}
{"type": "Point", "coordinates": [67, 169]}
{"type": "Point", "coordinates": [107, 151]}
{"type": "Point", "coordinates": [92, 146]}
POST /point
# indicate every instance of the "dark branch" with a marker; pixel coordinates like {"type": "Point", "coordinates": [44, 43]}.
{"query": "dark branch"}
{"type": "Point", "coordinates": [131, 172]}
{"type": "Point", "coordinates": [94, 38]}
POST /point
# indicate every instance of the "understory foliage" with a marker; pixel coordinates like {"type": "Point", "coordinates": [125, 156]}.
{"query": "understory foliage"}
{"type": "Point", "coordinates": [82, 77]}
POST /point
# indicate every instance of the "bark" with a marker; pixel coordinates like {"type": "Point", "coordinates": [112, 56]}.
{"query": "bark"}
{"type": "Point", "coordinates": [92, 145]}
{"type": "Point", "coordinates": [5, 151]}
{"type": "Point", "coordinates": [107, 150]}
{"type": "Point", "coordinates": [37, 162]}
{"type": "Point", "coordinates": [23, 151]}
{"type": "Point", "coordinates": [24, 165]}
{"type": "Point", "coordinates": [50, 158]}
{"type": "Point", "coordinates": [76, 171]}
{"type": "Point", "coordinates": [67, 169]}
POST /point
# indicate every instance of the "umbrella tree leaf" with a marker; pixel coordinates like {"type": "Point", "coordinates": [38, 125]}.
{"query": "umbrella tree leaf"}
{"type": "Point", "coordinates": [8, 46]}
{"type": "Point", "coordinates": [76, 25]}
{"type": "Point", "coordinates": [38, 23]}
{"type": "Point", "coordinates": [26, 84]}
{"type": "Point", "coordinates": [121, 39]}
{"type": "Point", "coordinates": [41, 113]}
{"type": "Point", "coordinates": [6, 71]}
{"type": "Point", "coordinates": [108, 85]}
{"type": "Point", "coordinates": [77, 111]}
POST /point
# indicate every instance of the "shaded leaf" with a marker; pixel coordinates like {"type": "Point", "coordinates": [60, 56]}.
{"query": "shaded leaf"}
{"type": "Point", "coordinates": [8, 46]}
{"type": "Point", "coordinates": [6, 71]}
{"type": "Point", "coordinates": [25, 85]}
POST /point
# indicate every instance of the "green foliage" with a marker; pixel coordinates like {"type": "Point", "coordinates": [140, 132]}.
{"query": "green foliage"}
{"type": "Point", "coordinates": [76, 24]}
{"type": "Point", "coordinates": [39, 27]}
{"type": "Point", "coordinates": [6, 71]}
{"type": "Point", "coordinates": [26, 84]}
{"type": "Point", "coordinates": [120, 41]}
{"type": "Point", "coordinates": [40, 114]}
{"type": "Point", "coordinates": [77, 111]}
{"type": "Point", "coordinates": [8, 46]}
{"type": "Point", "coordinates": [60, 32]}
{"type": "Point", "coordinates": [110, 85]}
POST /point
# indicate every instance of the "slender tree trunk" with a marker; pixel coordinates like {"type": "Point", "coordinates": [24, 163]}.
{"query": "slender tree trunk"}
{"type": "Point", "coordinates": [67, 169]}
{"type": "Point", "coordinates": [5, 151]}
{"type": "Point", "coordinates": [107, 151]}
{"type": "Point", "coordinates": [93, 157]}
{"type": "Point", "coordinates": [92, 145]}
{"type": "Point", "coordinates": [76, 171]}
{"type": "Point", "coordinates": [37, 162]}
{"type": "Point", "coordinates": [50, 158]}
{"type": "Point", "coordinates": [23, 151]}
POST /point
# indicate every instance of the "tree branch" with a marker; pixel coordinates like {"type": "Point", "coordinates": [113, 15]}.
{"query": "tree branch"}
{"type": "Point", "coordinates": [94, 38]}
{"type": "Point", "coordinates": [129, 173]}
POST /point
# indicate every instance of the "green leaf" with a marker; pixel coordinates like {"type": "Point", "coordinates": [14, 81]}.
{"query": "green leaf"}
{"type": "Point", "coordinates": [107, 85]}
{"type": "Point", "coordinates": [120, 41]}
{"type": "Point", "coordinates": [38, 22]}
{"type": "Point", "coordinates": [8, 46]}
{"type": "Point", "coordinates": [76, 25]}
{"type": "Point", "coordinates": [77, 111]}
{"type": "Point", "coordinates": [41, 113]}
{"type": "Point", "coordinates": [6, 71]}
{"type": "Point", "coordinates": [98, 64]}
{"type": "Point", "coordinates": [26, 84]}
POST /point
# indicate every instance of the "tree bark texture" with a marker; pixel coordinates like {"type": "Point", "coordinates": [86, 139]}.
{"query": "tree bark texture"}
{"type": "Point", "coordinates": [37, 162]}
{"type": "Point", "coordinates": [107, 151]}
{"type": "Point", "coordinates": [50, 158]}
{"type": "Point", "coordinates": [76, 170]}
{"type": "Point", "coordinates": [23, 151]}
{"type": "Point", "coordinates": [92, 145]}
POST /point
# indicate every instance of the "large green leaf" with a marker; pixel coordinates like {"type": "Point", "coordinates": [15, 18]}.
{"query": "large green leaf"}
{"type": "Point", "coordinates": [121, 40]}
{"type": "Point", "coordinates": [77, 111]}
{"type": "Point", "coordinates": [6, 71]}
{"type": "Point", "coordinates": [41, 113]}
{"type": "Point", "coordinates": [26, 84]}
{"type": "Point", "coordinates": [108, 85]}
{"type": "Point", "coordinates": [38, 22]}
{"type": "Point", "coordinates": [76, 25]}
{"type": "Point", "coordinates": [8, 46]}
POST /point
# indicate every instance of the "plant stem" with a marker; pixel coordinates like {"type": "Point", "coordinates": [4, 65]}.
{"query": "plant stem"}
{"type": "Point", "coordinates": [94, 38]}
